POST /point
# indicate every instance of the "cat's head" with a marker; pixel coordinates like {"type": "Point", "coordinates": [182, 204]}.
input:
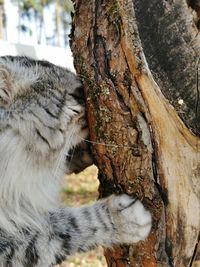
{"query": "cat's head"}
{"type": "Point", "coordinates": [41, 105]}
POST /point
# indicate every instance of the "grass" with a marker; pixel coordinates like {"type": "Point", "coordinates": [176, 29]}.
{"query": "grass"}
{"type": "Point", "coordinates": [81, 189]}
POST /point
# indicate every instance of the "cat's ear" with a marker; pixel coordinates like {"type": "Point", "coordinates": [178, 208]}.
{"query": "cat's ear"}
{"type": "Point", "coordinates": [5, 86]}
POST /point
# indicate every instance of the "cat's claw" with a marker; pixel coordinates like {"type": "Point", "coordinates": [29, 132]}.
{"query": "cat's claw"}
{"type": "Point", "coordinates": [133, 220]}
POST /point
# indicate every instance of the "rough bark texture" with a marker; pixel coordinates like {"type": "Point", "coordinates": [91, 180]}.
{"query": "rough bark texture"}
{"type": "Point", "coordinates": [171, 45]}
{"type": "Point", "coordinates": [140, 144]}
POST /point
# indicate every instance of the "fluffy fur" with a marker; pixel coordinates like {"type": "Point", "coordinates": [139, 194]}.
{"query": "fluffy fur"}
{"type": "Point", "coordinates": [42, 119]}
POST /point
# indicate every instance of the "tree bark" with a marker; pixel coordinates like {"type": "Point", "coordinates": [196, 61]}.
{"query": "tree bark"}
{"type": "Point", "coordinates": [137, 59]}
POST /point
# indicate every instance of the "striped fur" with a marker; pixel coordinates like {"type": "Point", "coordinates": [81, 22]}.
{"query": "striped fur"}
{"type": "Point", "coordinates": [42, 121]}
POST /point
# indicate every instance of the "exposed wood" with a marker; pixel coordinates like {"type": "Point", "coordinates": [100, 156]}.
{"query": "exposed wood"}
{"type": "Point", "coordinates": [141, 146]}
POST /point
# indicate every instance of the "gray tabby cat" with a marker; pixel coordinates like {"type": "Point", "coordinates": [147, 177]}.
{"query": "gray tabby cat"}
{"type": "Point", "coordinates": [42, 115]}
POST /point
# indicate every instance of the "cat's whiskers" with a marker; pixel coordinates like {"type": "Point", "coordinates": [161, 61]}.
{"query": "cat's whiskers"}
{"type": "Point", "coordinates": [62, 153]}
{"type": "Point", "coordinates": [104, 144]}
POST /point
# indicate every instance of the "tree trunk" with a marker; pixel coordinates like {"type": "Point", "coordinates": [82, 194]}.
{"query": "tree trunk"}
{"type": "Point", "coordinates": [58, 22]}
{"type": "Point", "coordinates": [2, 20]}
{"type": "Point", "coordinates": [41, 25]}
{"type": "Point", "coordinates": [137, 59]}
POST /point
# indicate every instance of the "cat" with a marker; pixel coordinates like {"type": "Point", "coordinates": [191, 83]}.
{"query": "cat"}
{"type": "Point", "coordinates": [42, 119]}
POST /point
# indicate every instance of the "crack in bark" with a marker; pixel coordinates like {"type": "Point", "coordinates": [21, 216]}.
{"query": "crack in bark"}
{"type": "Point", "coordinates": [195, 252]}
{"type": "Point", "coordinates": [164, 197]}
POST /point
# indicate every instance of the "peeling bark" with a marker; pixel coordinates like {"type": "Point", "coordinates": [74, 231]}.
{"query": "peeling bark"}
{"type": "Point", "coordinates": [140, 144]}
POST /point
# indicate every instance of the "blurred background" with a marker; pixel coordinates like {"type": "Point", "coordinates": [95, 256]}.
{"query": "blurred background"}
{"type": "Point", "coordinates": [80, 189]}
{"type": "Point", "coordinates": [37, 28]}
{"type": "Point", "coordinates": [40, 29]}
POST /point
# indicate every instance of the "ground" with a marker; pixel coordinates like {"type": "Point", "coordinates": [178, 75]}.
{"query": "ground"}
{"type": "Point", "coordinates": [81, 189]}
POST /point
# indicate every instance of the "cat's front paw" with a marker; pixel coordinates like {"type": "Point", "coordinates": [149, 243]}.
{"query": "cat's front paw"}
{"type": "Point", "coordinates": [133, 221]}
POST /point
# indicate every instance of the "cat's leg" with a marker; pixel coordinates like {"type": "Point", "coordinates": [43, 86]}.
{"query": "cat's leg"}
{"type": "Point", "coordinates": [115, 220]}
